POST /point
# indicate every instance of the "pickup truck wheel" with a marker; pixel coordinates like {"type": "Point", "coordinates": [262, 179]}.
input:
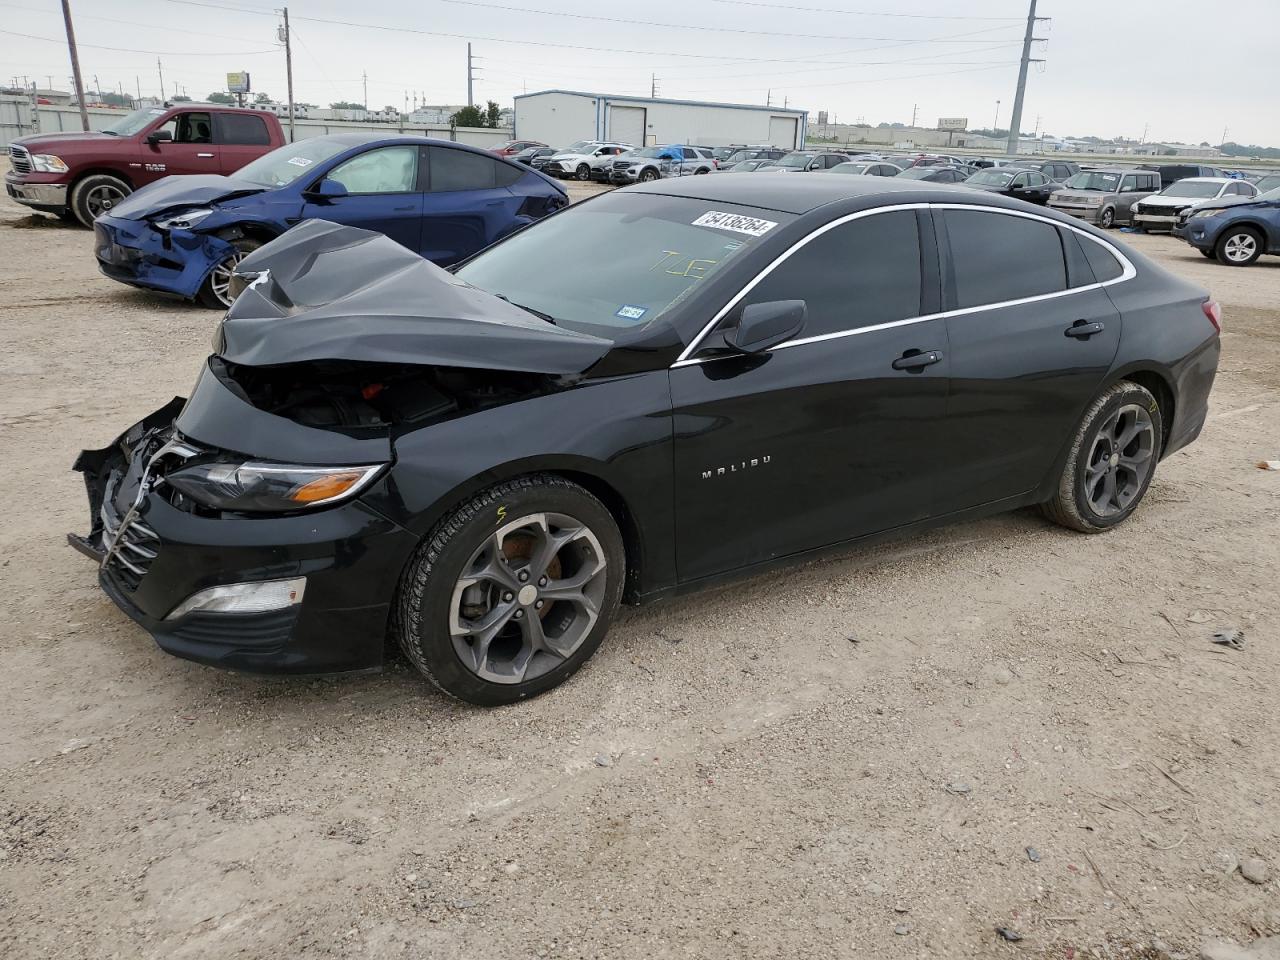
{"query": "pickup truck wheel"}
{"type": "Point", "coordinates": [95, 195]}
{"type": "Point", "coordinates": [648, 175]}
{"type": "Point", "coordinates": [215, 291]}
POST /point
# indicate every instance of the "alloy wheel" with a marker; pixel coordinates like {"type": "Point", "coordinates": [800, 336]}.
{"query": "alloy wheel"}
{"type": "Point", "coordinates": [527, 598]}
{"type": "Point", "coordinates": [1240, 247]}
{"type": "Point", "coordinates": [102, 198]}
{"type": "Point", "coordinates": [220, 277]}
{"type": "Point", "coordinates": [1120, 460]}
{"type": "Point", "coordinates": [1108, 219]}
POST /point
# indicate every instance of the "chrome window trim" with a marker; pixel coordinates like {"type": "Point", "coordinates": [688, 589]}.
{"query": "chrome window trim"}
{"type": "Point", "coordinates": [1128, 272]}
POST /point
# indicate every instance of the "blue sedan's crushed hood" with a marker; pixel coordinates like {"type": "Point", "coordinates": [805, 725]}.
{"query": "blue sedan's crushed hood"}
{"type": "Point", "coordinates": [328, 292]}
{"type": "Point", "coordinates": [172, 193]}
{"type": "Point", "coordinates": [1226, 203]}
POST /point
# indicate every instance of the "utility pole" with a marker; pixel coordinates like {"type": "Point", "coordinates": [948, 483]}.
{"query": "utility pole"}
{"type": "Point", "coordinates": [288, 68]}
{"type": "Point", "coordinates": [995, 124]}
{"type": "Point", "coordinates": [768, 97]}
{"type": "Point", "coordinates": [137, 83]}
{"type": "Point", "coordinates": [75, 63]}
{"type": "Point", "coordinates": [653, 86]}
{"type": "Point", "coordinates": [97, 87]}
{"type": "Point", "coordinates": [915, 112]}
{"type": "Point", "coordinates": [160, 70]}
{"type": "Point", "coordinates": [1224, 136]}
{"type": "Point", "coordinates": [1015, 123]}
{"type": "Point", "coordinates": [364, 77]}
{"type": "Point", "coordinates": [471, 76]}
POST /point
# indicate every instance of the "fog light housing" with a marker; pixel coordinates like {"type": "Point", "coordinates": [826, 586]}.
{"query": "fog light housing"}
{"type": "Point", "coordinates": [260, 596]}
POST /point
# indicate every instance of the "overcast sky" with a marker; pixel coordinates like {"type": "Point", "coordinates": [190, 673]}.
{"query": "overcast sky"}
{"type": "Point", "coordinates": [1180, 69]}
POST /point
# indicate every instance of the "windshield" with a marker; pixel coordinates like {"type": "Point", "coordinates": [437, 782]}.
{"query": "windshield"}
{"type": "Point", "coordinates": [1105, 182]}
{"type": "Point", "coordinates": [1273, 194]}
{"type": "Point", "coordinates": [652, 153]}
{"type": "Point", "coordinates": [132, 123]}
{"type": "Point", "coordinates": [283, 166]}
{"type": "Point", "coordinates": [850, 168]}
{"type": "Point", "coordinates": [991, 178]}
{"type": "Point", "coordinates": [577, 147]}
{"type": "Point", "coordinates": [661, 249]}
{"type": "Point", "coordinates": [795, 160]}
{"type": "Point", "coordinates": [721, 152]}
{"type": "Point", "coordinates": [1191, 188]}
{"type": "Point", "coordinates": [918, 173]}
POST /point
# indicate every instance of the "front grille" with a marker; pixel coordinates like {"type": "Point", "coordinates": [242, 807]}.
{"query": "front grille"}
{"type": "Point", "coordinates": [621, 164]}
{"type": "Point", "coordinates": [135, 551]}
{"type": "Point", "coordinates": [19, 159]}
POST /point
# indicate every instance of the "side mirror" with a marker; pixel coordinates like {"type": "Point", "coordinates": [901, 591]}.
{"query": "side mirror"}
{"type": "Point", "coordinates": [328, 189]}
{"type": "Point", "coordinates": [765, 325]}
{"type": "Point", "coordinates": [158, 136]}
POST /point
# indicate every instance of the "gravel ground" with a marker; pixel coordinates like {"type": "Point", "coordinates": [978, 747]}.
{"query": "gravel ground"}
{"type": "Point", "coordinates": [850, 758]}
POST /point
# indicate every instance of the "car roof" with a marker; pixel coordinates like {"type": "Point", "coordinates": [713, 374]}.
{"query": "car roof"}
{"type": "Point", "coordinates": [1206, 180]}
{"type": "Point", "coordinates": [800, 195]}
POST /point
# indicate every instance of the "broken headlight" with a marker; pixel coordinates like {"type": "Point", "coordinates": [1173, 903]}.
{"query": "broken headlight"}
{"type": "Point", "coordinates": [184, 220]}
{"type": "Point", "coordinates": [269, 487]}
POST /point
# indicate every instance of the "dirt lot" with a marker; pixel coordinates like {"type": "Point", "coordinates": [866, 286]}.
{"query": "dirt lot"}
{"type": "Point", "coordinates": [847, 759]}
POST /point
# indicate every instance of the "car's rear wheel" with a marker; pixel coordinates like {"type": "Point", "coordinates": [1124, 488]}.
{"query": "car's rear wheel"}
{"type": "Point", "coordinates": [584, 172]}
{"type": "Point", "coordinates": [1238, 247]}
{"type": "Point", "coordinates": [95, 195]}
{"type": "Point", "coordinates": [648, 175]}
{"type": "Point", "coordinates": [1108, 218]}
{"type": "Point", "coordinates": [1111, 462]}
{"type": "Point", "coordinates": [513, 591]}
{"type": "Point", "coordinates": [215, 292]}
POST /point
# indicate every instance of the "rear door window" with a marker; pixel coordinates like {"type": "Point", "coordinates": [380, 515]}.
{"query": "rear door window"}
{"type": "Point", "coordinates": [242, 129]}
{"type": "Point", "coordinates": [999, 257]}
{"type": "Point", "coordinates": [1103, 262]}
{"type": "Point", "coordinates": [453, 170]}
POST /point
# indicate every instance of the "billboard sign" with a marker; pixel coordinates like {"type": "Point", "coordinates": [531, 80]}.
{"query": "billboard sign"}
{"type": "Point", "coordinates": [238, 82]}
{"type": "Point", "coordinates": [953, 123]}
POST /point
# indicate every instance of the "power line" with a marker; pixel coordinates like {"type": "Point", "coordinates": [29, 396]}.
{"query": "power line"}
{"type": "Point", "coordinates": [125, 23]}
{"type": "Point", "coordinates": [863, 13]}
{"type": "Point", "coordinates": [97, 46]}
{"type": "Point", "coordinates": [843, 83]}
{"type": "Point", "coordinates": [678, 26]}
{"type": "Point", "coordinates": [577, 46]}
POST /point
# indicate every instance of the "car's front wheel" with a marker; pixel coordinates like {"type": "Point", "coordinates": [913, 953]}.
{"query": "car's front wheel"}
{"type": "Point", "coordinates": [584, 172]}
{"type": "Point", "coordinates": [215, 292]}
{"type": "Point", "coordinates": [513, 591]}
{"type": "Point", "coordinates": [648, 175]}
{"type": "Point", "coordinates": [1111, 462]}
{"type": "Point", "coordinates": [1108, 218]}
{"type": "Point", "coordinates": [1239, 247]}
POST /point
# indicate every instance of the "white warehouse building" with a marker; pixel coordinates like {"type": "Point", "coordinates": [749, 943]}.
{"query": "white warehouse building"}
{"type": "Point", "coordinates": [560, 117]}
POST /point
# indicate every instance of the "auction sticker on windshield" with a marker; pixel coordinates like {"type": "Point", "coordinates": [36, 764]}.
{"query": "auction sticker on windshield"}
{"type": "Point", "coordinates": [300, 161]}
{"type": "Point", "coordinates": [752, 226]}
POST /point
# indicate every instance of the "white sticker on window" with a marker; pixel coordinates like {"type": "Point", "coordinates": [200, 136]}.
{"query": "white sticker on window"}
{"type": "Point", "coordinates": [752, 226]}
{"type": "Point", "coordinates": [300, 161]}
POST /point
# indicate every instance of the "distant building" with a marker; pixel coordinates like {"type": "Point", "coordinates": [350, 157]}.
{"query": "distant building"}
{"type": "Point", "coordinates": [559, 117]}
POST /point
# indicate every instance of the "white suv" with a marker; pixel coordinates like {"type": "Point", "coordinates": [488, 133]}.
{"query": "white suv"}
{"type": "Point", "coordinates": [577, 163]}
{"type": "Point", "coordinates": [1161, 210]}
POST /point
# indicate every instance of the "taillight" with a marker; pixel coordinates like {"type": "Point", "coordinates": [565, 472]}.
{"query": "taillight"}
{"type": "Point", "coordinates": [1213, 310]}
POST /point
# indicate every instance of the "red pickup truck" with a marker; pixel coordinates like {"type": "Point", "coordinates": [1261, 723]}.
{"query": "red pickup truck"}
{"type": "Point", "coordinates": [82, 175]}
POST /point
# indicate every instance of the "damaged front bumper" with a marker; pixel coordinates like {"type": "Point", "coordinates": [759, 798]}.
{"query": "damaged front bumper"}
{"type": "Point", "coordinates": [169, 261]}
{"type": "Point", "coordinates": [155, 553]}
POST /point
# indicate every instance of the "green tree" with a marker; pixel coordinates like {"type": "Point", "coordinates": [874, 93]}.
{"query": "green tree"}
{"type": "Point", "coordinates": [346, 105]}
{"type": "Point", "coordinates": [181, 99]}
{"type": "Point", "coordinates": [261, 98]}
{"type": "Point", "coordinates": [220, 97]}
{"type": "Point", "coordinates": [491, 114]}
{"type": "Point", "coordinates": [468, 117]}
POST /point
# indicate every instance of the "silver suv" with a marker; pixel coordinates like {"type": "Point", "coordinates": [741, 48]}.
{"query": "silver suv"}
{"type": "Point", "coordinates": [653, 163]}
{"type": "Point", "coordinates": [1105, 197]}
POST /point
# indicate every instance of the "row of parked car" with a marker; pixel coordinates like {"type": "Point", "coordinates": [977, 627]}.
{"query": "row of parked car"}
{"type": "Point", "coordinates": [1164, 197]}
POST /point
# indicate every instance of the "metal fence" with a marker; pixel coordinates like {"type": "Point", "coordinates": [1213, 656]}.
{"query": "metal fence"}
{"type": "Point", "coordinates": [18, 118]}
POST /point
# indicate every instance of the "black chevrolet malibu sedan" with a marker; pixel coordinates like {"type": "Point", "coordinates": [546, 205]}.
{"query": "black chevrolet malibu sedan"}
{"type": "Point", "coordinates": [654, 389]}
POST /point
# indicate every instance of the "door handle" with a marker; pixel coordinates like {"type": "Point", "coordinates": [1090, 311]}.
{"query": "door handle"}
{"type": "Point", "coordinates": [1084, 329]}
{"type": "Point", "coordinates": [917, 359]}
{"type": "Point", "coordinates": [208, 155]}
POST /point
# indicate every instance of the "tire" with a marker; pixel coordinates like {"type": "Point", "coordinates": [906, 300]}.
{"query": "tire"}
{"type": "Point", "coordinates": [583, 172]}
{"type": "Point", "coordinates": [648, 175]}
{"type": "Point", "coordinates": [1095, 461]}
{"type": "Point", "coordinates": [1108, 218]}
{"type": "Point", "coordinates": [211, 292]}
{"type": "Point", "coordinates": [1211, 254]}
{"type": "Point", "coordinates": [96, 195]}
{"type": "Point", "coordinates": [436, 590]}
{"type": "Point", "coordinates": [700, 171]}
{"type": "Point", "coordinates": [1239, 246]}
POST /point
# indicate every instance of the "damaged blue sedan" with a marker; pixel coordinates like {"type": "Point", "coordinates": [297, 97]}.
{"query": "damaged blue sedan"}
{"type": "Point", "coordinates": [183, 236]}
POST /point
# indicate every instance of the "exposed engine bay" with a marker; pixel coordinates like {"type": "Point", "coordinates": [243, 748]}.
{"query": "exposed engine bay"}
{"type": "Point", "coordinates": [351, 393]}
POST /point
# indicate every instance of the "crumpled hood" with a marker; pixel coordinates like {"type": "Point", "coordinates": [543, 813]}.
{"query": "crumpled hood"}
{"type": "Point", "coordinates": [195, 190]}
{"type": "Point", "coordinates": [323, 291]}
{"type": "Point", "coordinates": [1156, 200]}
{"type": "Point", "coordinates": [1225, 202]}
